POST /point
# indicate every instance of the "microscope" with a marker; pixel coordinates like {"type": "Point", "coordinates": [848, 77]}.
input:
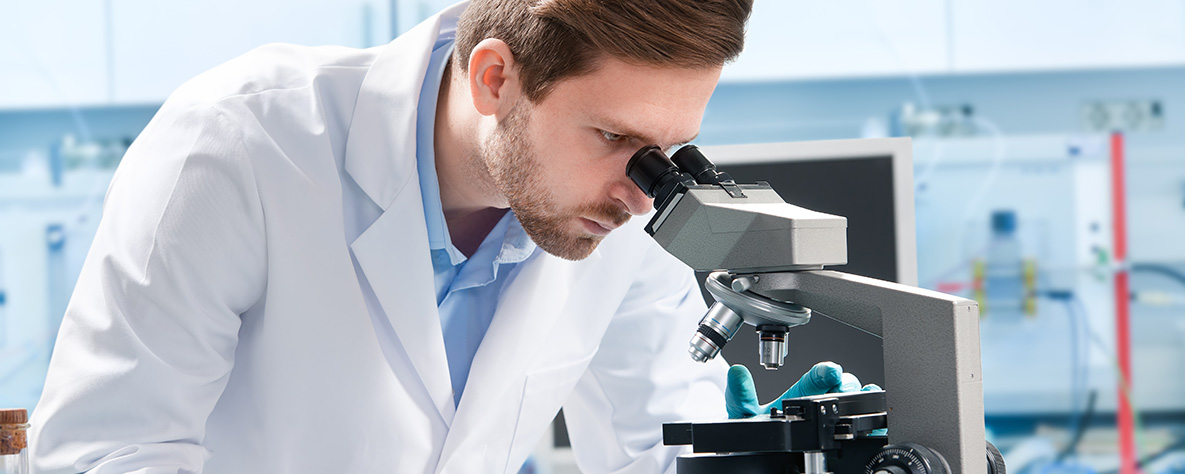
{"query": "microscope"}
{"type": "Point", "coordinates": [767, 259]}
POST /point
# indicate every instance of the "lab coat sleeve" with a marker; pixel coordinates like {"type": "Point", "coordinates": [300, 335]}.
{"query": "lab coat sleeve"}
{"type": "Point", "coordinates": [148, 340]}
{"type": "Point", "coordinates": [642, 375]}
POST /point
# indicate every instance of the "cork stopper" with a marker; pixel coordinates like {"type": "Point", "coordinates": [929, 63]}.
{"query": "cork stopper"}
{"type": "Point", "coordinates": [14, 416]}
{"type": "Point", "coordinates": [13, 438]}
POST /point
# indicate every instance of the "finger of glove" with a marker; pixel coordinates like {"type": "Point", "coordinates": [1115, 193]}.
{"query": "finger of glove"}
{"type": "Point", "coordinates": [847, 383]}
{"type": "Point", "coordinates": [740, 396]}
{"type": "Point", "coordinates": [822, 378]}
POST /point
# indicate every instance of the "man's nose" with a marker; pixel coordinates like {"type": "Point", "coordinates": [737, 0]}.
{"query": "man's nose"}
{"type": "Point", "coordinates": [636, 202]}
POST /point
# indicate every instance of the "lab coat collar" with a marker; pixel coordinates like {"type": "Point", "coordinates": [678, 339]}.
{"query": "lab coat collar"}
{"type": "Point", "coordinates": [381, 148]}
{"type": "Point", "coordinates": [380, 158]}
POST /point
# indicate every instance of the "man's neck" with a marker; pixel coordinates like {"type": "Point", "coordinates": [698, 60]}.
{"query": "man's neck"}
{"type": "Point", "coordinates": [470, 200]}
{"type": "Point", "coordinates": [468, 229]}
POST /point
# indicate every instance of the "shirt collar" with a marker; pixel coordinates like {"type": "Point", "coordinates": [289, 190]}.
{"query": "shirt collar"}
{"type": "Point", "coordinates": [438, 235]}
{"type": "Point", "coordinates": [516, 244]}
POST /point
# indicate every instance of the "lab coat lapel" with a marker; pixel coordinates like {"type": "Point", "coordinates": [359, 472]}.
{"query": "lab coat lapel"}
{"type": "Point", "coordinates": [527, 311]}
{"type": "Point", "coordinates": [394, 256]}
{"type": "Point", "coordinates": [393, 251]}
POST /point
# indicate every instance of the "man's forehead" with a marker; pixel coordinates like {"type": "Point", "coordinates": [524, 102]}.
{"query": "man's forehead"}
{"type": "Point", "coordinates": [660, 105]}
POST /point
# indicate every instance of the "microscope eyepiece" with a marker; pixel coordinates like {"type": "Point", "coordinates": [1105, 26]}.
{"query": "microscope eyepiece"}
{"type": "Point", "coordinates": [691, 161]}
{"type": "Point", "coordinates": [655, 174]}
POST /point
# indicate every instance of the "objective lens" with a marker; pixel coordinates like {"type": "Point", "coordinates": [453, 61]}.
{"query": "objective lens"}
{"type": "Point", "coordinates": [772, 349]}
{"type": "Point", "coordinates": [717, 327]}
{"type": "Point", "coordinates": [653, 172]}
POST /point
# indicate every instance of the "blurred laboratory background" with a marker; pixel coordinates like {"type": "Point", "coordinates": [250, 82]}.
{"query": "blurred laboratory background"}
{"type": "Point", "coordinates": [1048, 157]}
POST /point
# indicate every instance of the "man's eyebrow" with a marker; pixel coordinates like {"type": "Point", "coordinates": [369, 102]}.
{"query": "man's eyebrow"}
{"type": "Point", "coordinates": [625, 130]}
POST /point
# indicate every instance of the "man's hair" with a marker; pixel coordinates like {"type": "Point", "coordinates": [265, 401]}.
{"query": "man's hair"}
{"type": "Point", "coordinates": [556, 39]}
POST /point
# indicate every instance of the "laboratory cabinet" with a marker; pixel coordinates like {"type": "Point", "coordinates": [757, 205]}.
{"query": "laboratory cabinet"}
{"type": "Point", "coordinates": [1010, 35]}
{"type": "Point", "coordinates": [159, 45]}
{"type": "Point", "coordinates": [61, 53]}
{"type": "Point", "coordinates": [47, 222]}
{"type": "Point", "coordinates": [1020, 34]}
{"type": "Point", "coordinates": [52, 54]}
{"type": "Point", "coordinates": [842, 38]}
{"type": "Point", "coordinates": [863, 38]}
{"type": "Point", "coordinates": [406, 14]}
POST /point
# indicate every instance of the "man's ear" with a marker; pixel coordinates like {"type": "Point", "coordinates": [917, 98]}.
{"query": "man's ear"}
{"type": "Point", "coordinates": [493, 77]}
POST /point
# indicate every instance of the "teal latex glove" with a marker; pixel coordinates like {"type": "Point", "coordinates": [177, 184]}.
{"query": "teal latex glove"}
{"type": "Point", "coordinates": [825, 377]}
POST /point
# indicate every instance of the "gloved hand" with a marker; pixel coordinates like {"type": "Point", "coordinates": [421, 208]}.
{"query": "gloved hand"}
{"type": "Point", "coordinates": [740, 397]}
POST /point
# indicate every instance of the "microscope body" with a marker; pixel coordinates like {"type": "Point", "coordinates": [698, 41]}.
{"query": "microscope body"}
{"type": "Point", "coordinates": [768, 258]}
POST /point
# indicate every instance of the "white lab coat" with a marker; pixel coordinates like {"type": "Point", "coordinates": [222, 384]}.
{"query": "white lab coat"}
{"type": "Point", "coordinates": [266, 232]}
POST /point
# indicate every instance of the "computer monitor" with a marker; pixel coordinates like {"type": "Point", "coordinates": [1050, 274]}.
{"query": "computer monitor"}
{"type": "Point", "coordinates": [869, 181]}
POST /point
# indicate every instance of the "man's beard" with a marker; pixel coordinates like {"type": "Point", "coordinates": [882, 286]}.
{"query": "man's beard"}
{"type": "Point", "coordinates": [512, 162]}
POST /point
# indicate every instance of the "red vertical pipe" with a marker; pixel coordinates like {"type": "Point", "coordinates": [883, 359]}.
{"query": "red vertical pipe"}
{"type": "Point", "coordinates": [1124, 418]}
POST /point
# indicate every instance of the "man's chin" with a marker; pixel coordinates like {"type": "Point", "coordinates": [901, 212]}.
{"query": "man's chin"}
{"type": "Point", "coordinates": [572, 248]}
{"type": "Point", "coordinates": [567, 238]}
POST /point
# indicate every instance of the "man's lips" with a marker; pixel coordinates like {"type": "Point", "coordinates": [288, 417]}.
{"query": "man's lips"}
{"type": "Point", "coordinates": [598, 227]}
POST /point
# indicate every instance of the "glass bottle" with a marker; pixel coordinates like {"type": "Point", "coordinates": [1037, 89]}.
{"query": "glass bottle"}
{"type": "Point", "coordinates": [14, 441]}
{"type": "Point", "coordinates": [1004, 284]}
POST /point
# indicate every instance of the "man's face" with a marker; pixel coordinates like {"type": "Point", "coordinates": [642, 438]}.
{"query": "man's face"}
{"type": "Point", "coordinates": [561, 162]}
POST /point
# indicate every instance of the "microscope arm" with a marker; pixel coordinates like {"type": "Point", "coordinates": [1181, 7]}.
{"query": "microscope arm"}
{"type": "Point", "coordinates": [933, 380]}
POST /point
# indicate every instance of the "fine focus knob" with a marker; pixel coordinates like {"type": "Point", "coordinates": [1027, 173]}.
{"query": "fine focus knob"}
{"type": "Point", "coordinates": [995, 460]}
{"type": "Point", "coordinates": [907, 458]}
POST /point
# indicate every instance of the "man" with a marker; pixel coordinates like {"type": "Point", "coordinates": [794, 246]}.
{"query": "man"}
{"type": "Point", "coordinates": [401, 259]}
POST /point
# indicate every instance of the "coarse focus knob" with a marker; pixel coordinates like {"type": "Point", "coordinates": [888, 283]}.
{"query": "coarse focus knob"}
{"type": "Point", "coordinates": [995, 460]}
{"type": "Point", "coordinates": [907, 458]}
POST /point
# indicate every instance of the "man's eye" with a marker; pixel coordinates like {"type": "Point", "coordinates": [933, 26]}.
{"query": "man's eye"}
{"type": "Point", "coordinates": [613, 137]}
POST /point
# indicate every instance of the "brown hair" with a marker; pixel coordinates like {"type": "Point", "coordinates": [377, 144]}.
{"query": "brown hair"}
{"type": "Point", "coordinates": [555, 39]}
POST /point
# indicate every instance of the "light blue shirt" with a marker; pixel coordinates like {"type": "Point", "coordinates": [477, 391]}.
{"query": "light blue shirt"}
{"type": "Point", "coordinates": [467, 289]}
